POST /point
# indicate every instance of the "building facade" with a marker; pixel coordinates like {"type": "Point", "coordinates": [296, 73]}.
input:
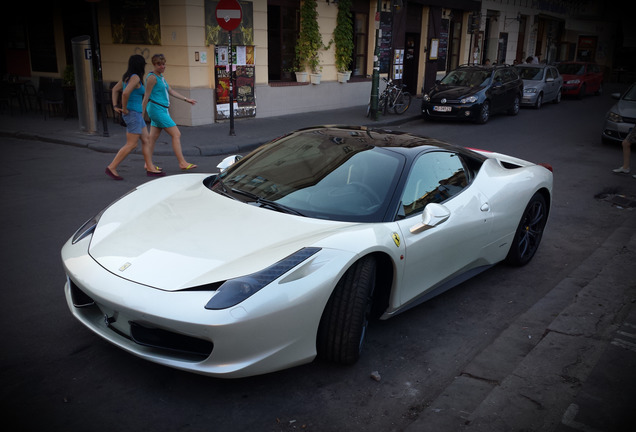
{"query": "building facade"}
{"type": "Point", "coordinates": [414, 41]}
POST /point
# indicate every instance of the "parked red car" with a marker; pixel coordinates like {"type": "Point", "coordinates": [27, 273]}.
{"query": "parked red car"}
{"type": "Point", "coordinates": [581, 78]}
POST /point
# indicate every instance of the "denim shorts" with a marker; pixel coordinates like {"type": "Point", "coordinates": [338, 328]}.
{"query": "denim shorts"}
{"type": "Point", "coordinates": [134, 122]}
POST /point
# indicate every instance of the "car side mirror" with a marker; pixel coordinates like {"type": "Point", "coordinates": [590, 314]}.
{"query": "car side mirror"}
{"type": "Point", "coordinates": [616, 95]}
{"type": "Point", "coordinates": [433, 215]}
{"type": "Point", "coordinates": [228, 161]}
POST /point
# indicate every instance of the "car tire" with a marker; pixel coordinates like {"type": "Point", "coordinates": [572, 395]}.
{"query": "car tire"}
{"type": "Point", "coordinates": [582, 92]}
{"type": "Point", "coordinates": [600, 90]}
{"type": "Point", "coordinates": [558, 97]}
{"type": "Point", "coordinates": [345, 319]}
{"type": "Point", "coordinates": [529, 231]}
{"type": "Point", "coordinates": [539, 101]}
{"type": "Point", "coordinates": [484, 113]}
{"type": "Point", "coordinates": [514, 110]}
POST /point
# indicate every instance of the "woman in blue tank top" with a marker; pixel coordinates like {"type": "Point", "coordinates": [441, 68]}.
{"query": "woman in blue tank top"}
{"type": "Point", "coordinates": [132, 90]}
{"type": "Point", "coordinates": [156, 102]}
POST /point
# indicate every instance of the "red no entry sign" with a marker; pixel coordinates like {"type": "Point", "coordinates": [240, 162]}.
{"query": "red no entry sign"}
{"type": "Point", "coordinates": [229, 14]}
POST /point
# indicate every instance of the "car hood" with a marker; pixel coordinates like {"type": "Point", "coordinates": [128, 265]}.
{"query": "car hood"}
{"type": "Point", "coordinates": [625, 108]}
{"type": "Point", "coordinates": [532, 83]}
{"type": "Point", "coordinates": [452, 92]}
{"type": "Point", "coordinates": [174, 233]}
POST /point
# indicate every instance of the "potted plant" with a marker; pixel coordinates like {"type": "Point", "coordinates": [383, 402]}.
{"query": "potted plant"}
{"type": "Point", "coordinates": [343, 38]}
{"type": "Point", "coordinates": [309, 40]}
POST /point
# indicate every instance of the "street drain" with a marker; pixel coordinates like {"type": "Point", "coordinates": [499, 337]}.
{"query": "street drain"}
{"type": "Point", "coordinates": [616, 199]}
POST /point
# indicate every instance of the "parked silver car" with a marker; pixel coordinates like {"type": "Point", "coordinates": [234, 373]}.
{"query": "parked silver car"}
{"type": "Point", "coordinates": [541, 83]}
{"type": "Point", "coordinates": [620, 119]}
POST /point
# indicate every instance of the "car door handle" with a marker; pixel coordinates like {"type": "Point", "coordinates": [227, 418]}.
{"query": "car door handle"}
{"type": "Point", "coordinates": [484, 207]}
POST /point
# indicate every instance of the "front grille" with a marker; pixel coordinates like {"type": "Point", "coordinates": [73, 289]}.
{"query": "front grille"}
{"type": "Point", "coordinates": [167, 340]}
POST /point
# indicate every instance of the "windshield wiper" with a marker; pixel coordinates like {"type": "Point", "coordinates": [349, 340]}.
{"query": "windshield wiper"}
{"type": "Point", "coordinates": [222, 189]}
{"type": "Point", "coordinates": [263, 202]}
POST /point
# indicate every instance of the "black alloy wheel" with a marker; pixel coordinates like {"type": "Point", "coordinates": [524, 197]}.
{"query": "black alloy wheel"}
{"type": "Point", "coordinates": [484, 113]}
{"type": "Point", "coordinates": [529, 232]}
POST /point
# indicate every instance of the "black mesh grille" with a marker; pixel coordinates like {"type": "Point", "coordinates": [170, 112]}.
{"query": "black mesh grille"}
{"type": "Point", "coordinates": [80, 299]}
{"type": "Point", "coordinates": [163, 339]}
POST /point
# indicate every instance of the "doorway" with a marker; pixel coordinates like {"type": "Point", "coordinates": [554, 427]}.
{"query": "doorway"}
{"type": "Point", "coordinates": [411, 62]}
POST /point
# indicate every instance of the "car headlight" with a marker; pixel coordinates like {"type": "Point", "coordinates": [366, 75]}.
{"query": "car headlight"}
{"type": "Point", "coordinates": [234, 291]}
{"type": "Point", "coordinates": [612, 116]}
{"type": "Point", "coordinates": [574, 81]}
{"type": "Point", "coordinates": [530, 90]}
{"type": "Point", "coordinates": [426, 98]}
{"type": "Point", "coordinates": [469, 99]}
{"type": "Point", "coordinates": [87, 228]}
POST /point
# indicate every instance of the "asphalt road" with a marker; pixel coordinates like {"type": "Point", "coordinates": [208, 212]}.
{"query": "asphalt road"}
{"type": "Point", "coordinates": [57, 375]}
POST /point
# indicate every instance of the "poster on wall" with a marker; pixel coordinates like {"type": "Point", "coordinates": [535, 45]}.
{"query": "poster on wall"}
{"type": "Point", "coordinates": [135, 22]}
{"type": "Point", "coordinates": [243, 90]}
{"type": "Point", "coordinates": [398, 64]}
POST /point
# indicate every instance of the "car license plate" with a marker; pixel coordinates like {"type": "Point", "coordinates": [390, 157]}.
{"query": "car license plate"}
{"type": "Point", "coordinates": [442, 108]}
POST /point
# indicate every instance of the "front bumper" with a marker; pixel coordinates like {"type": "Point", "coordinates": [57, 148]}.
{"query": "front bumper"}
{"type": "Point", "coordinates": [616, 132]}
{"type": "Point", "coordinates": [529, 99]}
{"type": "Point", "coordinates": [571, 89]}
{"type": "Point", "coordinates": [453, 111]}
{"type": "Point", "coordinates": [272, 330]}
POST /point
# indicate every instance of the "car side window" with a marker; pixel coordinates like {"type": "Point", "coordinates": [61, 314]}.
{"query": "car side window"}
{"type": "Point", "coordinates": [499, 76]}
{"type": "Point", "coordinates": [434, 178]}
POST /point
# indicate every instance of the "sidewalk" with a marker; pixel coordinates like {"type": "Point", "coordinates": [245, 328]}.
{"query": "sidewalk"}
{"type": "Point", "coordinates": [207, 140]}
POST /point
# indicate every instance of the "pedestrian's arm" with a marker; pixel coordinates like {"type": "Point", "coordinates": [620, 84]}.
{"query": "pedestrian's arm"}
{"type": "Point", "coordinates": [178, 95]}
{"type": "Point", "coordinates": [115, 96]}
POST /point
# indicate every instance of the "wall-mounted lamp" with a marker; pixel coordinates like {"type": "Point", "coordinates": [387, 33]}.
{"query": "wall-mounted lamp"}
{"type": "Point", "coordinates": [517, 18]}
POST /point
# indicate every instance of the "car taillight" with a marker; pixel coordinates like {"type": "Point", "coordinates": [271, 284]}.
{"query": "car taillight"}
{"type": "Point", "coordinates": [547, 166]}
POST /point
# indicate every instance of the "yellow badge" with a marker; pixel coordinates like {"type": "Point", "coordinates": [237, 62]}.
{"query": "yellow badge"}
{"type": "Point", "coordinates": [396, 239]}
{"type": "Point", "coordinates": [124, 267]}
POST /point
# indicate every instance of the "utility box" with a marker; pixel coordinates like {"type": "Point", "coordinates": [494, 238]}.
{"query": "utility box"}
{"type": "Point", "coordinates": [84, 84]}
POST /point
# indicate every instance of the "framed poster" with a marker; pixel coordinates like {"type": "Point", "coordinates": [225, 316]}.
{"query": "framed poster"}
{"type": "Point", "coordinates": [433, 51]}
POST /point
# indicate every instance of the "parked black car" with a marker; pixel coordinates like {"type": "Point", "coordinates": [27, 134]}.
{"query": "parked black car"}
{"type": "Point", "coordinates": [474, 92]}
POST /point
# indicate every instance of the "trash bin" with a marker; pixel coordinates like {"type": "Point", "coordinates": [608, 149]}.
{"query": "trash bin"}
{"type": "Point", "coordinates": [84, 84]}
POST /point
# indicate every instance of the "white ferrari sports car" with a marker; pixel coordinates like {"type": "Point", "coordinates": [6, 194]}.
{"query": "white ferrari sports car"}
{"type": "Point", "coordinates": [288, 253]}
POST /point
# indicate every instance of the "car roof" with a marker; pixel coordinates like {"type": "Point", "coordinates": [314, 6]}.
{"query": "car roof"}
{"type": "Point", "coordinates": [401, 142]}
{"type": "Point", "coordinates": [483, 67]}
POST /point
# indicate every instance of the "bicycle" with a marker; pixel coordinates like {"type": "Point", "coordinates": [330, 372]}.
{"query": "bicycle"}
{"type": "Point", "coordinates": [393, 97]}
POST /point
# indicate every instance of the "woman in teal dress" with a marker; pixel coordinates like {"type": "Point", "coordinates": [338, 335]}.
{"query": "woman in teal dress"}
{"type": "Point", "coordinates": [132, 90]}
{"type": "Point", "coordinates": [156, 102]}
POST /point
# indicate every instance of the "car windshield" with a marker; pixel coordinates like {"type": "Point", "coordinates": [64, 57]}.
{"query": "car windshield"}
{"type": "Point", "coordinates": [467, 78]}
{"type": "Point", "coordinates": [530, 73]}
{"type": "Point", "coordinates": [630, 94]}
{"type": "Point", "coordinates": [335, 174]}
{"type": "Point", "coordinates": [571, 69]}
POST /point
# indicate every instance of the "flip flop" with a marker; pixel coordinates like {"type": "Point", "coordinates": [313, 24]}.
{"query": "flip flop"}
{"type": "Point", "coordinates": [112, 175]}
{"type": "Point", "coordinates": [156, 167]}
{"type": "Point", "coordinates": [155, 174]}
{"type": "Point", "coordinates": [189, 167]}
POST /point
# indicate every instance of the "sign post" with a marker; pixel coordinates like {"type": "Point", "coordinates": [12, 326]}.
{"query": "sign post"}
{"type": "Point", "coordinates": [229, 15]}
